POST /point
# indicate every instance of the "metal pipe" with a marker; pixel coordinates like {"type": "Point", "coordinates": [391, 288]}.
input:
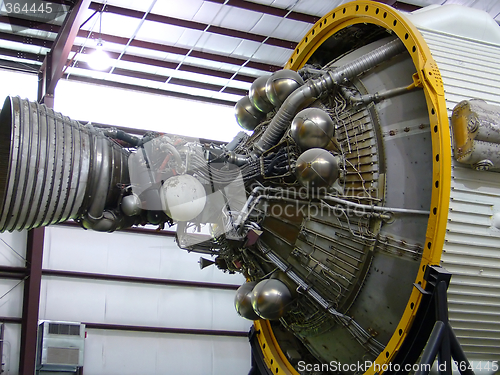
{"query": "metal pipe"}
{"type": "Point", "coordinates": [260, 193]}
{"type": "Point", "coordinates": [237, 140]}
{"type": "Point", "coordinates": [314, 87]}
{"type": "Point", "coordinates": [376, 97]}
{"type": "Point", "coordinates": [458, 354]}
{"type": "Point", "coordinates": [122, 136]}
{"type": "Point", "coordinates": [180, 331]}
{"type": "Point", "coordinates": [363, 337]}
{"type": "Point", "coordinates": [100, 193]}
{"type": "Point", "coordinates": [431, 348]}
{"type": "Point", "coordinates": [177, 157]}
{"type": "Point", "coordinates": [49, 169]}
{"type": "Point", "coordinates": [377, 208]}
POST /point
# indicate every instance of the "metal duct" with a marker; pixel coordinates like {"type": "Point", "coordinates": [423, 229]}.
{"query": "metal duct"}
{"type": "Point", "coordinates": [315, 87]}
{"type": "Point", "coordinates": [53, 168]}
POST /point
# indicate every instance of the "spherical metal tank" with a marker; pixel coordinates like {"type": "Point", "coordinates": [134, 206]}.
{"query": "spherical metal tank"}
{"type": "Point", "coordinates": [183, 197]}
{"type": "Point", "coordinates": [131, 205]}
{"type": "Point", "coordinates": [258, 97]}
{"type": "Point", "coordinates": [366, 253]}
{"type": "Point", "coordinates": [247, 116]}
{"type": "Point", "coordinates": [398, 154]}
{"type": "Point", "coordinates": [317, 168]}
{"type": "Point", "coordinates": [281, 84]}
{"type": "Point", "coordinates": [271, 299]}
{"type": "Point", "coordinates": [243, 301]}
{"type": "Point", "coordinates": [312, 128]}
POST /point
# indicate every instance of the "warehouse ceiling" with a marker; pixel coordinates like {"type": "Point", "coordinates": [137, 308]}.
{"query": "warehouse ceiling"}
{"type": "Point", "coordinates": [209, 50]}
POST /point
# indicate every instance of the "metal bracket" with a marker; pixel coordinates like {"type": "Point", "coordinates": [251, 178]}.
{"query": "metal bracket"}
{"type": "Point", "coordinates": [432, 330]}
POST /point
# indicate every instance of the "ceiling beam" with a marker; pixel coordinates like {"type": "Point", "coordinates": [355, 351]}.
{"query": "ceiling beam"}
{"type": "Point", "coordinates": [47, 43]}
{"type": "Point", "coordinates": [32, 57]}
{"type": "Point", "coordinates": [26, 67]}
{"type": "Point", "coordinates": [148, 76]}
{"type": "Point", "coordinates": [169, 64]}
{"type": "Point", "coordinates": [27, 24]}
{"type": "Point", "coordinates": [171, 80]}
{"type": "Point", "coordinates": [55, 61]}
{"type": "Point", "coordinates": [202, 27]}
{"type": "Point", "coordinates": [267, 9]}
{"type": "Point", "coordinates": [25, 39]}
{"type": "Point", "coordinates": [137, 279]}
{"type": "Point", "coordinates": [178, 331]}
{"type": "Point", "coordinates": [183, 68]}
{"type": "Point", "coordinates": [127, 57]}
{"type": "Point", "coordinates": [128, 86]}
{"type": "Point", "coordinates": [182, 51]}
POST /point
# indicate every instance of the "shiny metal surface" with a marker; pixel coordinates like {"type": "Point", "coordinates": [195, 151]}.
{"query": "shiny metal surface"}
{"type": "Point", "coordinates": [53, 168]}
{"type": "Point", "coordinates": [131, 205]}
{"type": "Point", "coordinates": [353, 250]}
{"type": "Point", "coordinates": [271, 299]}
{"type": "Point", "coordinates": [247, 116]}
{"type": "Point", "coordinates": [243, 301]}
{"type": "Point", "coordinates": [317, 168]}
{"type": "Point", "coordinates": [303, 94]}
{"type": "Point", "coordinates": [281, 84]}
{"type": "Point", "coordinates": [258, 96]}
{"type": "Point", "coordinates": [476, 134]}
{"type": "Point", "coordinates": [312, 128]}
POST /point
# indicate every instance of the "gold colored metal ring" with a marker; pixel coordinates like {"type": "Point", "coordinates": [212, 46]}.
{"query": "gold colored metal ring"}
{"type": "Point", "coordinates": [429, 77]}
{"type": "Point", "coordinates": [273, 355]}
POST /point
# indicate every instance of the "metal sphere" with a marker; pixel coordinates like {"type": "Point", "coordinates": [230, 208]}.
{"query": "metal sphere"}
{"type": "Point", "coordinates": [131, 205]}
{"type": "Point", "coordinates": [243, 301]}
{"type": "Point", "coordinates": [258, 97]}
{"type": "Point", "coordinates": [247, 116]}
{"type": "Point", "coordinates": [271, 299]}
{"type": "Point", "coordinates": [281, 84]}
{"type": "Point", "coordinates": [317, 168]}
{"type": "Point", "coordinates": [311, 128]}
{"type": "Point", "coordinates": [183, 197]}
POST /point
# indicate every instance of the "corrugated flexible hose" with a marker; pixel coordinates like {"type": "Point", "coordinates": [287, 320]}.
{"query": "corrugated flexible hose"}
{"type": "Point", "coordinates": [315, 87]}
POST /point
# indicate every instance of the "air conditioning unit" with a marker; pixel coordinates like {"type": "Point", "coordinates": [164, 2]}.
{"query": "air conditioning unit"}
{"type": "Point", "coordinates": [60, 346]}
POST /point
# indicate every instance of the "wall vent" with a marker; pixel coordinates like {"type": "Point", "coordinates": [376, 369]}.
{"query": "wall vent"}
{"type": "Point", "coordinates": [60, 346]}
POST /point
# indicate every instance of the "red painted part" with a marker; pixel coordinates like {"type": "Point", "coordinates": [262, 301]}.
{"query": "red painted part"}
{"type": "Point", "coordinates": [137, 279]}
{"type": "Point", "coordinates": [31, 301]}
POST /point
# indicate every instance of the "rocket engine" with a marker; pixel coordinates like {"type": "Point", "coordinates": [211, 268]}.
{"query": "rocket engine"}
{"type": "Point", "coordinates": [333, 206]}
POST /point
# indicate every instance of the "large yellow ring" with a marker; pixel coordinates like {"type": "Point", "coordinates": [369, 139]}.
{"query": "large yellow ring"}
{"type": "Point", "coordinates": [429, 78]}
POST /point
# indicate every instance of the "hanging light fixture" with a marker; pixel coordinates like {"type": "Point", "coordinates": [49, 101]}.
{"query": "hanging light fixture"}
{"type": "Point", "coordinates": [99, 59]}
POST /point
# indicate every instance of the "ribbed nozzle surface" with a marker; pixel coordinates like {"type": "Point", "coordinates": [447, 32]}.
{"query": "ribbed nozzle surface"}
{"type": "Point", "coordinates": [48, 165]}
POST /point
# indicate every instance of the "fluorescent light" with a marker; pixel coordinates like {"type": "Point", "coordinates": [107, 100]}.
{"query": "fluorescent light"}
{"type": "Point", "coordinates": [99, 59]}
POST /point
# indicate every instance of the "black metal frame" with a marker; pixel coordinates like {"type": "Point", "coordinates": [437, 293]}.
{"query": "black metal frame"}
{"type": "Point", "coordinates": [259, 366]}
{"type": "Point", "coordinates": [431, 335]}
{"type": "Point", "coordinates": [431, 330]}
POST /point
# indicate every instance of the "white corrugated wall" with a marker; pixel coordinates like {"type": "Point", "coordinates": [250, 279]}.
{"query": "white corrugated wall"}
{"type": "Point", "coordinates": [470, 69]}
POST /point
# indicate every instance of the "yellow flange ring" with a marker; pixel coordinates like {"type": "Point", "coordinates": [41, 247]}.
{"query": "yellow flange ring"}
{"type": "Point", "coordinates": [429, 78]}
{"type": "Point", "coordinates": [273, 355]}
